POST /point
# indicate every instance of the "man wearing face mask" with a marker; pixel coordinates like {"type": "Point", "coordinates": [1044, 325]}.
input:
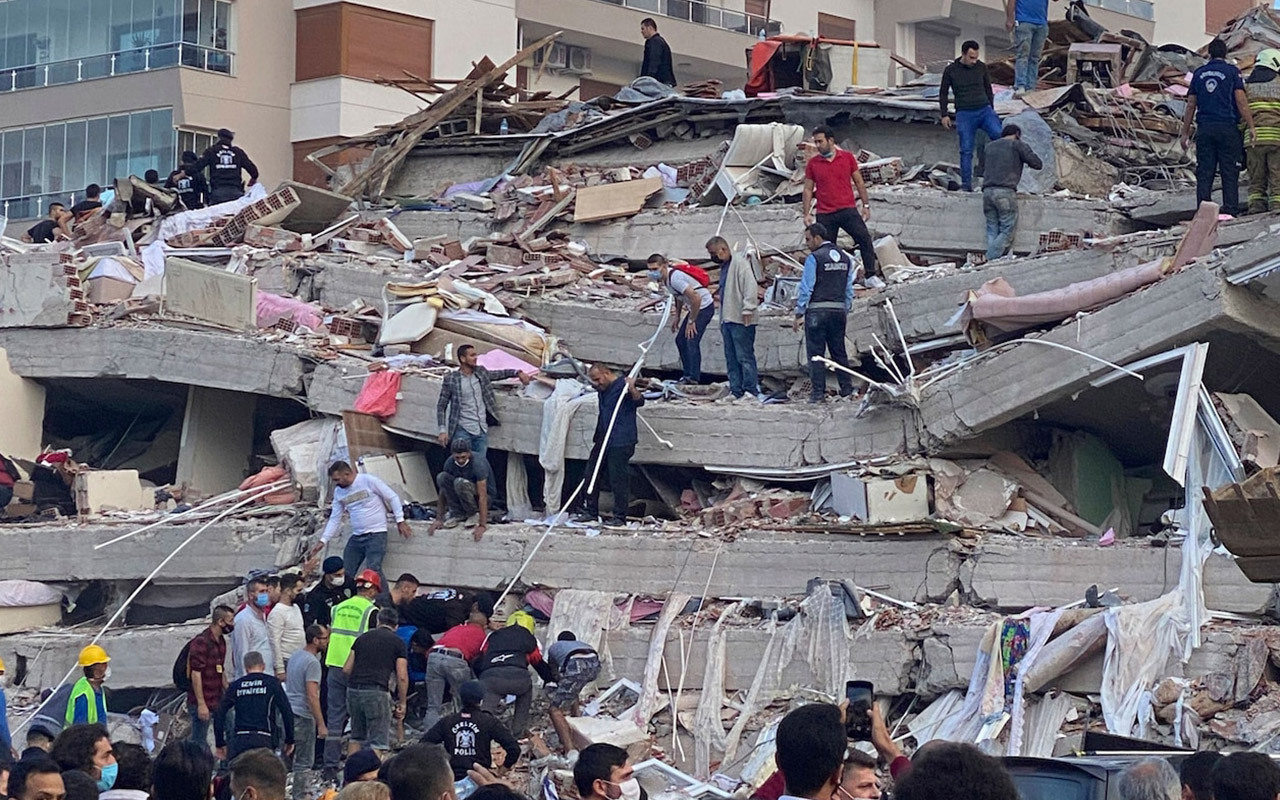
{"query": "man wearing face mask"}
{"type": "Point", "coordinates": [831, 177]}
{"type": "Point", "coordinates": [604, 772]}
{"type": "Point", "coordinates": [860, 781]}
{"type": "Point", "coordinates": [87, 749]}
{"type": "Point", "coordinates": [464, 490]}
{"type": "Point", "coordinates": [206, 655]}
{"type": "Point", "coordinates": [284, 623]}
{"type": "Point", "coordinates": [351, 619]}
{"type": "Point", "coordinates": [333, 588]}
{"type": "Point", "coordinates": [252, 635]}
{"type": "Point", "coordinates": [257, 700]}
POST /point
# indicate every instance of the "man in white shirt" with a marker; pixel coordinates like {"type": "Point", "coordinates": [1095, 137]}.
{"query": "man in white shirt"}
{"type": "Point", "coordinates": [693, 299]}
{"type": "Point", "coordinates": [284, 623]}
{"type": "Point", "coordinates": [366, 499]}
{"type": "Point", "coordinates": [251, 633]}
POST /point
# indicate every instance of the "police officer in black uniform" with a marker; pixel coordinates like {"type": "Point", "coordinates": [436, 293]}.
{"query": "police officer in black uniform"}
{"type": "Point", "coordinates": [191, 187]}
{"type": "Point", "coordinates": [826, 293]}
{"type": "Point", "coordinates": [224, 161]}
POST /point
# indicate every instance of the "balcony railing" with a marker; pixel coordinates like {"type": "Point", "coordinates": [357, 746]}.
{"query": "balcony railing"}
{"type": "Point", "coordinates": [704, 14]}
{"type": "Point", "coordinates": [123, 62]}
{"type": "Point", "coordinates": [1142, 9]}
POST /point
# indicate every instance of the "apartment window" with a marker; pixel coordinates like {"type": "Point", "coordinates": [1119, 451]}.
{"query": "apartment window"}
{"type": "Point", "coordinates": [361, 42]}
{"type": "Point", "coordinates": [832, 27]}
{"type": "Point", "coordinates": [54, 162]}
{"type": "Point", "coordinates": [195, 141]}
{"type": "Point", "coordinates": [47, 42]}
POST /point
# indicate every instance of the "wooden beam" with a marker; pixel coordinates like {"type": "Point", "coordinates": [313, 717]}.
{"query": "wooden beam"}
{"type": "Point", "coordinates": [373, 181]}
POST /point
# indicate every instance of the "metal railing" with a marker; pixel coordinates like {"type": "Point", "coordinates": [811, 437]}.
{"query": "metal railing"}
{"type": "Point", "coordinates": [1142, 9]}
{"type": "Point", "coordinates": [122, 62]}
{"type": "Point", "coordinates": [702, 13]}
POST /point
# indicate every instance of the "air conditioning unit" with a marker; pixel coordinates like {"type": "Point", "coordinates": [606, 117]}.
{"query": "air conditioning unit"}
{"type": "Point", "coordinates": [556, 56]}
{"type": "Point", "coordinates": [579, 61]}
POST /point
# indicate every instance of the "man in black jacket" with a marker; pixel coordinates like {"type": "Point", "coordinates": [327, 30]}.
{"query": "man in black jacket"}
{"type": "Point", "coordinates": [657, 54]}
{"type": "Point", "coordinates": [975, 105]}
{"type": "Point", "coordinates": [621, 443]}
{"type": "Point", "coordinates": [192, 188]}
{"type": "Point", "coordinates": [503, 668]}
{"type": "Point", "coordinates": [225, 162]}
{"type": "Point", "coordinates": [468, 736]}
{"type": "Point", "coordinates": [256, 699]}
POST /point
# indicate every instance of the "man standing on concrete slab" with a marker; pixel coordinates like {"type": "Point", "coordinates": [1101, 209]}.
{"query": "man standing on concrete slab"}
{"type": "Point", "coordinates": [251, 633]}
{"type": "Point", "coordinates": [463, 487]}
{"type": "Point", "coordinates": [739, 299]}
{"type": "Point", "coordinates": [694, 310]}
{"type": "Point", "coordinates": [657, 54]}
{"type": "Point", "coordinates": [612, 449]}
{"type": "Point", "coordinates": [831, 177]}
{"type": "Point", "coordinates": [1217, 102]}
{"type": "Point", "coordinates": [467, 402]}
{"type": "Point", "coordinates": [1005, 158]}
{"type": "Point", "coordinates": [975, 105]}
{"type": "Point", "coordinates": [225, 162]}
{"type": "Point", "coordinates": [1263, 91]}
{"type": "Point", "coordinates": [351, 619]}
{"type": "Point", "coordinates": [823, 303]}
{"type": "Point", "coordinates": [366, 499]}
{"type": "Point", "coordinates": [1028, 21]}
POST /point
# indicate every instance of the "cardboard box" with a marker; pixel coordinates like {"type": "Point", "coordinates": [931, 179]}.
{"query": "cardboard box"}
{"type": "Point", "coordinates": [17, 509]}
{"type": "Point", "coordinates": [880, 500]}
{"type": "Point", "coordinates": [24, 491]}
{"type": "Point", "coordinates": [108, 290]}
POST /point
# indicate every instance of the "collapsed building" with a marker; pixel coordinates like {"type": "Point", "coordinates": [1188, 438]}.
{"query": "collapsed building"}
{"type": "Point", "coordinates": [1046, 449]}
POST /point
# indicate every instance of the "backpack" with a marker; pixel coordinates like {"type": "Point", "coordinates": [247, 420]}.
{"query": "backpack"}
{"type": "Point", "coordinates": [697, 273]}
{"type": "Point", "coordinates": [182, 668]}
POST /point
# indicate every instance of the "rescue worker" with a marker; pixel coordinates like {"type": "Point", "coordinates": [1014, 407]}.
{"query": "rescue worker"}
{"type": "Point", "coordinates": [74, 704]}
{"type": "Point", "coordinates": [1263, 92]}
{"type": "Point", "coordinates": [225, 162]}
{"type": "Point", "coordinates": [351, 619]}
{"type": "Point", "coordinates": [191, 187]}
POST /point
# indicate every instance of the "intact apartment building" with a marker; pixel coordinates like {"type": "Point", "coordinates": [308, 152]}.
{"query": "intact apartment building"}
{"type": "Point", "coordinates": [91, 90]}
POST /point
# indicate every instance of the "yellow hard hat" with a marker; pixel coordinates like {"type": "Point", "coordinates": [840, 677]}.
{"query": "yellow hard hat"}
{"type": "Point", "coordinates": [2, 665]}
{"type": "Point", "coordinates": [93, 654]}
{"type": "Point", "coordinates": [522, 618]}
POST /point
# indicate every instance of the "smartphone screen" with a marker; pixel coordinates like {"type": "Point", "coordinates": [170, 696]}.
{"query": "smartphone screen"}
{"type": "Point", "coordinates": [860, 694]}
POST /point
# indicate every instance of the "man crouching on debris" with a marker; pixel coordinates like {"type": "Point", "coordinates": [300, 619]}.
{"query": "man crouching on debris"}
{"type": "Point", "coordinates": [1005, 157]}
{"type": "Point", "coordinates": [823, 303]}
{"type": "Point", "coordinates": [464, 489]}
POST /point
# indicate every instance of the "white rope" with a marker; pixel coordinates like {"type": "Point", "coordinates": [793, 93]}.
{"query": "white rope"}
{"type": "Point", "coordinates": [220, 499]}
{"type": "Point", "coordinates": [262, 492]}
{"type": "Point", "coordinates": [635, 371]}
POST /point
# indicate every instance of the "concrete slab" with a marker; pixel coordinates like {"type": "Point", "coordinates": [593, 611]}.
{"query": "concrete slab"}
{"type": "Point", "coordinates": [172, 355]}
{"type": "Point", "coordinates": [34, 292]}
{"type": "Point", "coordinates": [923, 220]}
{"type": "Point", "coordinates": [141, 658]}
{"type": "Point", "coordinates": [1010, 573]}
{"type": "Point", "coordinates": [226, 551]}
{"type": "Point", "coordinates": [782, 436]}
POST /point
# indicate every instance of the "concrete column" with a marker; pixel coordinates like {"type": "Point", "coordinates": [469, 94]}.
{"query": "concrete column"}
{"type": "Point", "coordinates": [217, 439]}
{"type": "Point", "coordinates": [23, 402]}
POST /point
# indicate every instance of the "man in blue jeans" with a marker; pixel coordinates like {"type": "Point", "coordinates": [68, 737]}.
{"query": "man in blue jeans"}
{"type": "Point", "coordinates": [467, 402]}
{"type": "Point", "coordinates": [739, 299]}
{"type": "Point", "coordinates": [1028, 21]}
{"type": "Point", "coordinates": [693, 312]}
{"type": "Point", "coordinates": [366, 499]}
{"type": "Point", "coordinates": [975, 109]}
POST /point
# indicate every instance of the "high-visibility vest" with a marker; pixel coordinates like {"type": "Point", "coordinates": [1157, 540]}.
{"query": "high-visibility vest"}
{"type": "Point", "coordinates": [82, 689]}
{"type": "Point", "coordinates": [350, 619]}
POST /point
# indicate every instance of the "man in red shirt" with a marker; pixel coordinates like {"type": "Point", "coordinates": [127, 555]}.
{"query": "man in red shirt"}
{"type": "Point", "coordinates": [205, 658]}
{"type": "Point", "coordinates": [449, 661]}
{"type": "Point", "coordinates": [831, 177]}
